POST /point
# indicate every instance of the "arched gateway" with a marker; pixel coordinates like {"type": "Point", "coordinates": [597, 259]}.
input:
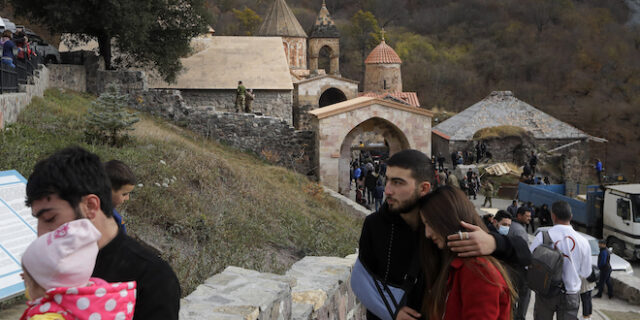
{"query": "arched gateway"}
{"type": "Point", "coordinates": [401, 125]}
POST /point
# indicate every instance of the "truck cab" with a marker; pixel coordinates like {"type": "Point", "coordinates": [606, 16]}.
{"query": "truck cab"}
{"type": "Point", "coordinates": [621, 219]}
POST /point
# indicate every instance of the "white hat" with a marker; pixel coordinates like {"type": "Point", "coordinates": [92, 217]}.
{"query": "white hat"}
{"type": "Point", "coordinates": [64, 257]}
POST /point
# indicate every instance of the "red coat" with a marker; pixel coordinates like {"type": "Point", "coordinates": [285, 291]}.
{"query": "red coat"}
{"type": "Point", "coordinates": [477, 291]}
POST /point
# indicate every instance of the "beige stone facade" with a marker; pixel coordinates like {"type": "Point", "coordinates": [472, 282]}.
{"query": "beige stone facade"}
{"type": "Point", "coordinates": [314, 52]}
{"type": "Point", "coordinates": [382, 78]}
{"type": "Point", "coordinates": [402, 126]}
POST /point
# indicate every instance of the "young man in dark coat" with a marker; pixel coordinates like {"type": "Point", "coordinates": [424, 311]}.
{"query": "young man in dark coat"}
{"type": "Point", "coordinates": [72, 184]}
{"type": "Point", "coordinates": [390, 237]}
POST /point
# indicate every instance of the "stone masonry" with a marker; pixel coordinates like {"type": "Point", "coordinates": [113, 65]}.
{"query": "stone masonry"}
{"type": "Point", "coordinates": [12, 103]}
{"type": "Point", "coordinates": [314, 288]}
{"type": "Point", "coordinates": [267, 102]}
{"type": "Point", "coordinates": [270, 138]}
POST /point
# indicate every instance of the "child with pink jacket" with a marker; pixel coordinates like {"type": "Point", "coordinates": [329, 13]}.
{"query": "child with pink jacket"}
{"type": "Point", "coordinates": [57, 275]}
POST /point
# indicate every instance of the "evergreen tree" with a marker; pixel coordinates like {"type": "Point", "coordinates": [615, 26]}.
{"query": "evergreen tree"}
{"type": "Point", "coordinates": [107, 117]}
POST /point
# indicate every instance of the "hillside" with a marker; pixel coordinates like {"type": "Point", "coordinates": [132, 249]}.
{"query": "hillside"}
{"type": "Point", "coordinates": [205, 205]}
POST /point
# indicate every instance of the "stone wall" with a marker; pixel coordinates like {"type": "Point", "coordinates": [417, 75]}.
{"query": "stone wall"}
{"type": "Point", "coordinates": [67, 76]}
{"type": "Point", "coordinates": [270, 138]}
{"type": "Point", "coordinates": [12, 103]}
{"type": "Point", "coordinates": [314, 288]}
{"type": "Point", "coordinates": [128, 81]}
{"type": "Point", "coordinates": [274, 103]}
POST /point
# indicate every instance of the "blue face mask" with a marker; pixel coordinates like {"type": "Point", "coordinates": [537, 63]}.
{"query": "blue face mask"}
{"type": "Point", "coordinates": [504, 230]}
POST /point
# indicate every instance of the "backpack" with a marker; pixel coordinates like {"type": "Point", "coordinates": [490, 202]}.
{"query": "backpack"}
{"type": "Point", "coordinates": [544, 274]}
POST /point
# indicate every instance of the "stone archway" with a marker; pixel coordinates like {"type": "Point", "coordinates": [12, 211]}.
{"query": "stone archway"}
{"type": "Point", "coordinates": [333, 46]}
{"type": "Point", "coordinates": [331, 96]}
{"type": "Point", "coordinates": [403, 126]}
{"type": "Point", "coordinates": [395, 138]}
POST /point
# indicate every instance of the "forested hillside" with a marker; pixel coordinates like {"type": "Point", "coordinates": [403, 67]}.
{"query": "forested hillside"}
{"type": "Point", "coordinates": [577, 60]}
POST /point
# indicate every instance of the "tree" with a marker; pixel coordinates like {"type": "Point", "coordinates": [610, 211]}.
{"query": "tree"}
{"type": "Point", "coordinates": [365, 30]}
{"type": "Point", "coordinates": [249, 20]}
{"type": "Point", "coordinates": [152, 32]}
{"type": "Point", "coordinates": [107, 117]}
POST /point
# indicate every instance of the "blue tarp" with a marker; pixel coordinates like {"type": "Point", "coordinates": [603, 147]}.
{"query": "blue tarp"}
{"type": "Point", "coordinates": [548, 194]}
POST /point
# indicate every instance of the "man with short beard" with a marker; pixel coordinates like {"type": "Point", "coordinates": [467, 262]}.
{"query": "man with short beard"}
{"type": "Point", "coordinates": [390, 236]}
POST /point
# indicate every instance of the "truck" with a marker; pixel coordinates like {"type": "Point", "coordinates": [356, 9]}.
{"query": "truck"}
{"type": "Point", "coordinates": [609, 212]}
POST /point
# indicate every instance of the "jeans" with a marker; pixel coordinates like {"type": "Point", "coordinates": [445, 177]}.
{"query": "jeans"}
{"type": "Point", "coordinates": [378, 203]}
{"type": "Point", "coordinates": [587, 305]}
{"type": "Point", "coordinates": [605, 278]}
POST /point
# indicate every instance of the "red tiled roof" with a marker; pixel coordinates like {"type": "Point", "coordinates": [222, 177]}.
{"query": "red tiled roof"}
{"type": "Point", "coordinates": [436, 132]}
{"type": "Point", "coordinates": [410, 98]}
{"type": "Point", "coordinates": [383, 54]}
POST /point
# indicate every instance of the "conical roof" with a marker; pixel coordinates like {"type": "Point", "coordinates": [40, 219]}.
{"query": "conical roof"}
{"type": "Point", "coordinates": [383, 54]}
{"type": "Point", "coordinates": [501, 108]}
{"type": "Point", "coordinates": [281, 22]}
{"type": "Point", "coordinates": [324, 26]}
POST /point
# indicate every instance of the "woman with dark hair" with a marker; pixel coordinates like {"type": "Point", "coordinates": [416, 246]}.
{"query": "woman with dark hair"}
{"type": "Point", "coordinates": [459, 288]}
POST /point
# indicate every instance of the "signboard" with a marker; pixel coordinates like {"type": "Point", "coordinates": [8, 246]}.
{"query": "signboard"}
{"type": "Point", "coordinates": [17, 231]}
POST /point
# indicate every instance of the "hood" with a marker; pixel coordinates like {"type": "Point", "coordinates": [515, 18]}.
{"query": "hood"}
{"type": "Point", "coordinates": [109, 300]}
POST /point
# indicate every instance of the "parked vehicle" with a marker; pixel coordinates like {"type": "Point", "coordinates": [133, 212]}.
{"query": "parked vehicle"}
{"type": "Point", "coordinates": [8, 25]}
{"type": "Point", "coordinates": [48, 52]}
{"type": "Point", "coordinates": [2, 25]}
{"type": "Point", "coordinates": [612, 214]}
{"type": "Point", "coordinates": [617, 262]}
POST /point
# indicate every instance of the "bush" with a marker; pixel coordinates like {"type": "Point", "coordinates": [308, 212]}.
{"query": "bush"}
{"type": "Point", "coordinates": [108, 117]}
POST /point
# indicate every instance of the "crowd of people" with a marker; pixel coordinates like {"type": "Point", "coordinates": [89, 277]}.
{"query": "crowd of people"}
{"type": "Point", "coordinates": [15, 47]}
{"type": "Point", "coordinates": [369, 178]}
{"type": "Point", "coordinates": [425, 253]}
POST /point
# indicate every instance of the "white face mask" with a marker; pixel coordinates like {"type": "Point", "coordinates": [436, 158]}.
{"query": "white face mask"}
{"type": "Point", "coordinates": [504, 230]}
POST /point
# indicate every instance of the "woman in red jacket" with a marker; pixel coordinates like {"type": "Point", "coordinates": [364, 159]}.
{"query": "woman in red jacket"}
{"type": "Point", "coordinates": [459, 288]}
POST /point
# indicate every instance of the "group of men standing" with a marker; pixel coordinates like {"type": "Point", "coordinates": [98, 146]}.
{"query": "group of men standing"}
{"type": "Point", "coordinates": [244, 98]}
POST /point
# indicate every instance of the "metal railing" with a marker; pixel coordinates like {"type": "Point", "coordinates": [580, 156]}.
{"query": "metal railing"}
{"type": "Point", "coordinates": [11, 78]}
{"type": "Point", "coordinates": [8, 79]}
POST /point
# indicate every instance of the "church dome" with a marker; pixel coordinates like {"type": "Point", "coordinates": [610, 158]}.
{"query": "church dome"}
{"type": "Point", "coordinates": [383, 54]}
{"type": "Point", "coordinates": [281, 22]}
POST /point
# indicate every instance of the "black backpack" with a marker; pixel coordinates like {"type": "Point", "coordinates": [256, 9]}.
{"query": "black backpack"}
{"type": "Point", "coordinates": [544, 274]}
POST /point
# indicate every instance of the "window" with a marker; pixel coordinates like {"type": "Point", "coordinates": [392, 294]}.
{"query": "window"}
{"type": "Point", "coordinates": [624, 209]}
{"type": "Point", "coordinates": [635, 199]}
{"type": "Point", "coordinates": [384, 83]}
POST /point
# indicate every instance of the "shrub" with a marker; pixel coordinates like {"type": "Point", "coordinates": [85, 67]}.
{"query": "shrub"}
{"type": "Point", "coordinates": [108, 117]}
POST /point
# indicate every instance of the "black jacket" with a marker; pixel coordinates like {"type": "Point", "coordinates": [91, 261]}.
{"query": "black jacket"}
{"type": "Point", "coordinates": [158, 289]}
{"type": "Point", "coordinates": [387, 247]}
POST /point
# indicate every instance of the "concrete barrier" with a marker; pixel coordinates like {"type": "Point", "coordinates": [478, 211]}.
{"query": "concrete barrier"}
{"type": "Point", "coordinates": [12, 103]}
{"type": "Point", "coordinates": [626, 287]}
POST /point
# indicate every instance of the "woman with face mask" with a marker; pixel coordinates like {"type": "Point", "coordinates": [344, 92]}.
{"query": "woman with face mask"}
{"type": "Point", "coordinates": [459, 288]}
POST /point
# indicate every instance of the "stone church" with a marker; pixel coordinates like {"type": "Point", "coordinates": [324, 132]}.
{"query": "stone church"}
{"type": "Point", "coordinates": [281, 65]}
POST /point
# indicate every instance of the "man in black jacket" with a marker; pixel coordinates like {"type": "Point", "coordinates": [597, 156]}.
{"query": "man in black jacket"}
{"type": "Point", "coordinates": [390, 237]}
{"type": "Point", "coordinates": [72, 184]}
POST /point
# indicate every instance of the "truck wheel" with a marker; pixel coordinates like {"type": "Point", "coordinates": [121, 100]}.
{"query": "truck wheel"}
{"type": "Point", "coordinates": [617, 246]}
{"type": "Point", "coordinates": [50, 59]}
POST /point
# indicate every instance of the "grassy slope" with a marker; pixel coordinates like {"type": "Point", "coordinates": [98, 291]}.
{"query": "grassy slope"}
{"type": "Point", "coordinates": [224, 207]}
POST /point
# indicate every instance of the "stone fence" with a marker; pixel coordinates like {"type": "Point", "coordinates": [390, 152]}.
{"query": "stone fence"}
{"type": "Point", "coordinates": [272, 139]}
{"type": "Point", "coordinates": [12, 103]}
{"type": "Point", "coordinates": [314, 288]}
